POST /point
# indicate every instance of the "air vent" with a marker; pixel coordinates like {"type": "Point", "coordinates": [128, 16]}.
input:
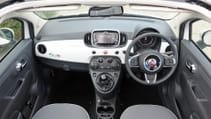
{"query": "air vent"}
{"type": "Point", "coordinates": [87, 39]}
{"type": "Point", "coordinates": [41, 48]}
{"type": "Point", "coordinates": [123, 39]}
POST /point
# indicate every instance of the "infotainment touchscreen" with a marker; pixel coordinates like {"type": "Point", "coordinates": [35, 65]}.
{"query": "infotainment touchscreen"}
{"type": "Point", "coordinates": [106, 38]}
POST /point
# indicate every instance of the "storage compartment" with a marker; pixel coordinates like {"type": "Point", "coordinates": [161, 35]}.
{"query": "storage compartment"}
{"type": "Point", "coordinates": [105, 112]}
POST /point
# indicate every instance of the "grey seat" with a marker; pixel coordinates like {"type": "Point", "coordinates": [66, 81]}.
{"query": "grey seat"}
{"type": "Point", "coordinates": [61, 111]}
{"type": "Point", "coordinates": [147, 112]}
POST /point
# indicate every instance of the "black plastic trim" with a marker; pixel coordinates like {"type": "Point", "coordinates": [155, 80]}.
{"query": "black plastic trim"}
{"type": "Point", "coordinates": [67, 66]}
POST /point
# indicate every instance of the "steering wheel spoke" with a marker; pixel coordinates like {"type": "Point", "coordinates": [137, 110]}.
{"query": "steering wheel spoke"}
{"type": "Point", "coordinates": [133, 61]}
{"type": "Point", "coordinates": [169, 61]}
{"type": "Point", "coordinates": [150, 78]}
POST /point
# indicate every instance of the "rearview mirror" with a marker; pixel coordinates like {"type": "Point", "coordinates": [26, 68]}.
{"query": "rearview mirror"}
{"type": "Point", "coordinates": [103, 11]}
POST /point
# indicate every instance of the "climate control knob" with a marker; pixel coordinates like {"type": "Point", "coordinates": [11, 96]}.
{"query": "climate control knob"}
{"type": "Point", "coordinates": [110, 60]}
{"type": "Point", "coordinates": [100, 60]}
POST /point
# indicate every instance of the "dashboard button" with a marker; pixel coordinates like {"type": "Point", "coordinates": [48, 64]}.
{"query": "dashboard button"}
{"type": "Point", "coordinates": [105, 52]}
{"type": "Point", "coordinates": [94, 74]}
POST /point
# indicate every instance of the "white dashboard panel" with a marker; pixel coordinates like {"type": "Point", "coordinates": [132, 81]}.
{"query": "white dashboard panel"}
{"type": "Point", "coordinates": [76, 51]}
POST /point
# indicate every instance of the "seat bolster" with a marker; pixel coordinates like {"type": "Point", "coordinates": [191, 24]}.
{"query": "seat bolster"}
{"type": "Point", "coordinates": [147, 112]}
{"type": "Point", "coordinates": [61, 111]}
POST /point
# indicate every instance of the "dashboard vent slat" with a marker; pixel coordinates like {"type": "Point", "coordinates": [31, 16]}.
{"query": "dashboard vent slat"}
{"type": "Point", "coordinates": [87, 39]}
{"type": "Point", "coordinates": [123, 39]}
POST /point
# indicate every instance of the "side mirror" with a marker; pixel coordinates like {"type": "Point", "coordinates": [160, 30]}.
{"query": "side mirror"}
{"type": "Point", "coordinates": [6, 36]}
{"type": "Point", "coordinates": [7, 33]}
{"type": "Point", "coordinates": [206, 38]}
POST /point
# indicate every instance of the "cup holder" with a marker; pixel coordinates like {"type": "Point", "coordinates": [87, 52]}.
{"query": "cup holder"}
{"type": "Point", "coordinates": [105, 110]}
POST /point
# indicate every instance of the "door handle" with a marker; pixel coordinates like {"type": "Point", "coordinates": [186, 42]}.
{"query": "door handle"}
{"type": "Point", "coordinates": [198, 93]}
{"type": "Point", "coordinates": [21, 65]}
{"type": "Point", "coordinates": [191, 67]}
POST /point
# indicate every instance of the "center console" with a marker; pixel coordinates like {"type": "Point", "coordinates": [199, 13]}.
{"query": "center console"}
{"type": "Point", "coordinates": [105, 73]}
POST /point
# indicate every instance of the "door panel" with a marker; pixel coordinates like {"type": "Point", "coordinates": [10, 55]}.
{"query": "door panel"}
{"type": "Point", "coordinates": [193, 87]}
{"type": "Point", "coordinates": [15, 84]}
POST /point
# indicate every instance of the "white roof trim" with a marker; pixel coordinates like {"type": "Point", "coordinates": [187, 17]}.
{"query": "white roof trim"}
{"type": "Point", "coordinates": [45, 3]}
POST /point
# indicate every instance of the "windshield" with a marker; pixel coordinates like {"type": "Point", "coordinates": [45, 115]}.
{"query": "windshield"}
{"type": "Point", "coordinates": [82, 10]}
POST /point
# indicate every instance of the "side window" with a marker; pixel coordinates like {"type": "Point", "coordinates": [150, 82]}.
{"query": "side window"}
{"type": "Point", "coordinates": [11, 32]}
{"type": "Point", "coordinates": [201, 36]}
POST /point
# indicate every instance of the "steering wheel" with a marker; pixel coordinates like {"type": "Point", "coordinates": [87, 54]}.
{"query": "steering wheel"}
{"type": "Point", "coordinates": [150, 62]}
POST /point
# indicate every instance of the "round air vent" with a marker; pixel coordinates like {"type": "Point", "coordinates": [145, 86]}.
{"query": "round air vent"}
{"type": "Point", "coordinates": [87, 39]}
{"type": "Point", "coordinates": [41, 48]}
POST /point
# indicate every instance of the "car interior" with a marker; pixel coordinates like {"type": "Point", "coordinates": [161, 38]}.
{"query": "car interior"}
{"type": "Point", "coordinates": [106, 64]}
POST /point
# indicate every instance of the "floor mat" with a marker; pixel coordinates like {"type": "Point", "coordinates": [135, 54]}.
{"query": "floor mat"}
{"type": "Point", "coordinates": [133, 93]}
{"type": "Point", "coordinates": [72, 87]}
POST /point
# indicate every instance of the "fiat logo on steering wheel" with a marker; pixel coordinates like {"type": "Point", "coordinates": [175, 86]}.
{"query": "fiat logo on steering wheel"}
{"type": "Point", "coordinates": [151, 62]}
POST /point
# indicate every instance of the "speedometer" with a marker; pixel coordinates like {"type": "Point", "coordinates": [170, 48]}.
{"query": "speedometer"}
{"type": "Point", "coordinates": [147, 41]}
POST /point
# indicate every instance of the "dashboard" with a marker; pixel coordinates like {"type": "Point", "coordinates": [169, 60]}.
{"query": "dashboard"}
{"type": "Point", "coordinates": [71, 43]}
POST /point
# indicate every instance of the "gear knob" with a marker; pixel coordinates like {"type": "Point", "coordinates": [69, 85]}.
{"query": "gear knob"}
{"type": "Point", "coordinates": [103, 76]}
